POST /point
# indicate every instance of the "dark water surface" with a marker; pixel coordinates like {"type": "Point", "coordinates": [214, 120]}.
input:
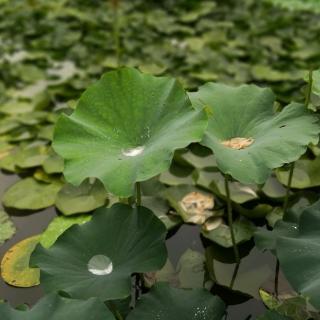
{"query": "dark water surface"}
{"type": "Point", "coordinates": [254, 267]}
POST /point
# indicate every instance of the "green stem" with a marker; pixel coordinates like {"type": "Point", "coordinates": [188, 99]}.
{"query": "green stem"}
{"type": "Point", "coordinates": [230, 222]}
{"type": "Point", "coordinates": [234, 275]}
{"type": "Point", "coordinates": [138, 198]}
{"type": "Point", "coordinates": [286, 200]}
{"type": "Point", "coordinates": [309, 89]}
{"type": "Point", "coordinates": [116, 30]}
{"type": "Point", "coordinates": [276, 279]}
{"type": "Point", "coordinates": [115, 311]}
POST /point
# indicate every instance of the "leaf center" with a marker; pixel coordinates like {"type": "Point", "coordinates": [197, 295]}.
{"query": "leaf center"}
{"type": "Point", "coordinates": [238, 143]}
{"type": "Point", "coordinates": [133, 152]}
{"type": "Point", "coordinates": [100, 265]}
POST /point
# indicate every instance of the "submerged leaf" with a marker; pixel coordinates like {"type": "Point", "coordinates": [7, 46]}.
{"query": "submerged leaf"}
{"type": "Point", "coordinates": [97, 258]}
{"type": "Point", "coordinates": [125, 129]}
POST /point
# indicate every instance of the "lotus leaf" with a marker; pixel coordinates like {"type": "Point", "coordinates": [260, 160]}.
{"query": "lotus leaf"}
{"type": "Point", "coordinates": [97, 258]}
{"type": "Point", "coordinates": [298, 254]}
{"type": "Point", "coordinates": [125, 129]}
{"type": "Point", "coordinates": [15, 264]}
{"type": "Point", "coordinates": [312, 5]}
{"type": "Point", "coordinates": [7, 228]}
{"type": "Point", "coordinates": [247, 137]}
{"type": "Point", "coordinates": [54, 307]}
{"type": "Point", "coordinates": [31, 194]}
{"type": "Point", "coordinates": [165, 303]}
{"type": "Point", "coordinates": [84, 198]}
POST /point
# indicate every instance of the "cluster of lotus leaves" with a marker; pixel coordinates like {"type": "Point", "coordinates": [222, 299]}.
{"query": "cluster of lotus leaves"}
{"type": "Point", "coordinates": [125, 129]}
{"type": "Point", "coordinates": [97, 259]}
{"type": "Point", "coordinates": [247, 137]}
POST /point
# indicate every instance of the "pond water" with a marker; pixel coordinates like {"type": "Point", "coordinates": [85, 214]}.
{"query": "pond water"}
{"type": "Point", "coordinates": [256, 268]}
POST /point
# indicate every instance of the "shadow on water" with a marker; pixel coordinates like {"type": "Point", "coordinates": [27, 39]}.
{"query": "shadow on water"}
{"type": "Point", "coordinates": [255, 269]}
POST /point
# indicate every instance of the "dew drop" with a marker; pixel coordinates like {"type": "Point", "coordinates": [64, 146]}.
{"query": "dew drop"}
{"type": "Point", "coordinates": [100, 265]}
{"type": "Point", "coordinates": [133, 152]}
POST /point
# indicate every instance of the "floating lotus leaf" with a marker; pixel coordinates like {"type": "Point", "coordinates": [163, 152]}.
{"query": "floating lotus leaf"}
{"type": "Point", "coordinates": [125, 129]}
{"type": "Point", "coordinates": [7, 228]}
{"type": "Point", "coordinates": [243, 231]}
{"type": "Point", "coordinates": [54, 307]}
{"type": "Point", "coordinates": [84, 198]}
{"type": "Point", "coordinates": [15, 264]}
{"type": "Point", "coordinates": [247, 137]}
{"type": "Point", "coordinates": [306, 174]}
{"type": "Point", "coordinates": [31, 194]}
{"type": "Point", "coordinates": [298, 254]}
{"type": "Point", "coordinates": [165, 303]}
{"type": "Point", "coordinates": [97, 258]}
{"type": "Point", "coordinates": [30, 157]}
{"type": "Point", "coordinates": [59, 225]}
{"type": "Point", "coordinates": [312, 5]}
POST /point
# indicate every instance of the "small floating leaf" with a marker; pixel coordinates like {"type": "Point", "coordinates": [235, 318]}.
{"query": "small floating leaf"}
{"type": "Point", "coordinates": [31, 194]}
{"type": "Point", "coordinates": [7, 228]}
{"type": "Point", "coordinates": [15, 264]}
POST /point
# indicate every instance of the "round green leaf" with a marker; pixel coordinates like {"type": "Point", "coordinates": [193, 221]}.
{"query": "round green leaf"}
{"type": "Point", "coordinates": [31, 194]}
{"type": "Point", "coordinates": [165, 303]}
{"type": "Point", "coordinates": [97, 258]}
{"type": "Point", "coordinates": [246, 112]}
{"type": "Point", "coordinates": [15, 264]}
{"type": "Point", "coordinates": [299, 255]}
{"type": "Point", "coordinates": [54, 307]}
{"type": "Point", "coordinates": [7, 228]}
{"type": "Point", "coordinates": [84, 198]}
{"type": "Point", "coordinates": [125, 129]}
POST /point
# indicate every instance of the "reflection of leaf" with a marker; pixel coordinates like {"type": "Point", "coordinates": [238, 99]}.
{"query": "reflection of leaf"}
{"type": "Point", "coordinates": [125, 129]}
{"type": "Point", "coordinates": [31, 194]}
{"type": "Point", "coordinates": [96, 259]}
{"type": "Point", "coordinates": [54, 307]}
{"type": "Point", "coordinates": [7, 228]}
{"type": "Point", "coordinates": [247, 112]}
{"type": "Point", "coordinates": [15, 264]}
{"type": "Point", "coordinates": [165, 303]}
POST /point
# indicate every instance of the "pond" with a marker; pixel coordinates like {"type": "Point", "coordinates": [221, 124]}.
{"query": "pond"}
{"type": "Point", "coordinates": [187, 237]}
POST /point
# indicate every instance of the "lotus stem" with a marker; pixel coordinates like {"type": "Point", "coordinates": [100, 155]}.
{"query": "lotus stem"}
{"type": "Point", "coordinates": [286, 199]}
{"type": "Point", "coordinates": [230, 220]}
{"type": "Point", "coordinates": [276, 279]}
{"type": "Point", "coordinates": [138, 197]}
{"type": "Point", "coordinates": [309, 89]}
{"type": "Point", "coordinates": [116, 29]}
{"type": "Point", "coordinates": [115, 311]}
{"type": "Point", "coordinates": [234, 275]}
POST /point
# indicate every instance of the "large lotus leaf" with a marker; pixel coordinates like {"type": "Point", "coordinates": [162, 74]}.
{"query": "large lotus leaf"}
{"type": "Point", "coordinates": [15, 264]}
{"type": "Point", "coordinates": [54, 307]}
{"type": "Point", "coordinates": [84, 198]}
{"type": "Point", "coordinates": [247, 137]}
{"type": "Point", "coordinates": [125, 129]}
{"type": "Point", "coordinates": [97, 258]}
{"type": "Point", "coordinates": [165, 303]}
{"type": "Point", "coordinates": [299, 255]}
{"type": "Point", "coordinates": [7, 228]}
{"type": "Point", "coordinates": [31, 194]}
{"type": "Point", "coordinates": [59, 225]}
{"type": "Point", "coordinates": [306, 174]}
